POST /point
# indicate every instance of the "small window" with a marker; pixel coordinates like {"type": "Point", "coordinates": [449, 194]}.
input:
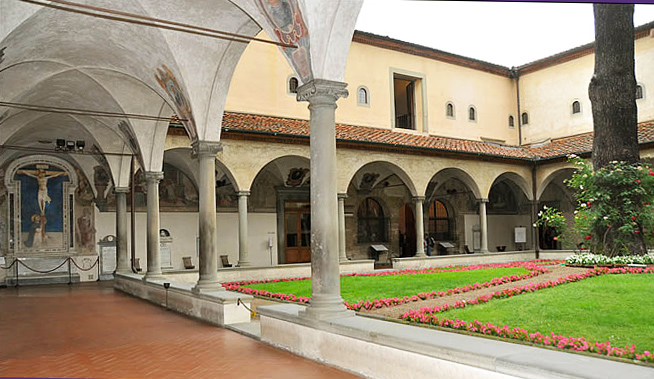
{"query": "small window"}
{"type": "Point", "coordinates": [472, 114]}
{"type": "Point", "coordinates": [449, 110]}
{"type": "Point", "coordinates": [639, 92]}
{"type": "Point", "coordinates": [576, 107]}
{"type": "Point", "coordinates": [362, 96]}
{"type": "Point", "coordinates": [525, 118]}
{"type": "Point", "coordinates": [293, 84]}
{"type": "Point", "coordinates": [511, 122]}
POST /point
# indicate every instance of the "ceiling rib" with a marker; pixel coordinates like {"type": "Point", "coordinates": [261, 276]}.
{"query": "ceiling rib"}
{"type": "Point", "coordinates": [132, 18]}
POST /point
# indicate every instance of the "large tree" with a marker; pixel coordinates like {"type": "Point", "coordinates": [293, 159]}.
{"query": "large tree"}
{"type": "Point", "coordinates": [618, 197]}
{"type": "Point", "coordinates": [612, 89]}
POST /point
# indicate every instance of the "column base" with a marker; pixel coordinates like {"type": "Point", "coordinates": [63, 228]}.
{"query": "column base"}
{"type": "Point", "coordinates": [207, 286]}
{"type": "Point", "coordinates": [244, 264]}
{"type": "Point", "coordinates": [154, 275]}
{"type": "Point", "coordinates": [326, 307]}
{"type": "Point", "coordinates": [420, 255]}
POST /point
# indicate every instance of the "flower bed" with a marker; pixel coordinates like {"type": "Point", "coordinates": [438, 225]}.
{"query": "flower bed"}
{"type": "Point", "coordinates": [428, 316]}
{"type": "Point", "coordinates": [603, 260]}
{"type": "Point", "coordinates": [535, 268]}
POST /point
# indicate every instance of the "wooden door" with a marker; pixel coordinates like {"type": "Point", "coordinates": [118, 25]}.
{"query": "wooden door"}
{"type": "Point", "coordinates": [297, 231]}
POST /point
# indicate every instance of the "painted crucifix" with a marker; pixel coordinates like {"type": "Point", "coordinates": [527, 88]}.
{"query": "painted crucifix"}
{"type": "Point", "coordinates": [42, 176]}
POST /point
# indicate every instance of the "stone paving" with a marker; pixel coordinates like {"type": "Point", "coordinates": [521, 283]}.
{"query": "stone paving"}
{"type": "Point", "coordinates": [89, 330]}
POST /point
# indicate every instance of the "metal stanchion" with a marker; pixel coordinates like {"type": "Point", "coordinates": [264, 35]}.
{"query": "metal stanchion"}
{"type": "Point", "coordinates": [70, 274]}
{"type": "Point", "coordinates": [98, 262]}
{"type": "Point", "coordinates": [16, 263]}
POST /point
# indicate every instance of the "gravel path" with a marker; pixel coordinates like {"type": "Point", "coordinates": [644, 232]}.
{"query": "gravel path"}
{"type": "Point", "coordinates": [554, 273]}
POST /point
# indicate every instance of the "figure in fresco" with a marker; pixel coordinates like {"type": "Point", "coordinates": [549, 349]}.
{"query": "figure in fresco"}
{"type": "Point", "coordinates": [35, 228]}
{"type": "Point", "coordinates": [42, 177]}
{"type": "Point", "coordinates": [85, 230]}
{"type": "Point", "coordinates": [84, 193]}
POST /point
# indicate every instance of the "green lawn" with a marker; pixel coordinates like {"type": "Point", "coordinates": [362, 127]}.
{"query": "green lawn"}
{"type": "Point", "coordinates": [615, 308]}
{"type": "Point", "coordinates": [356, 288]}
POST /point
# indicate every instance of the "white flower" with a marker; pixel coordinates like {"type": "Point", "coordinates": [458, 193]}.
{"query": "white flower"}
{"type": "Point", "coordinates": [581, 187]}
{"type": "Point", "coordinates": [576, 211]}
{"type": "Point", "coordinates": [544, 206]}
{"type": "Point", "coordinates": [583, 205]}
{"type": "Point", "coordinates": [591, 199]}
{"type": "Point", "coordinates": [606, 217]}
{"type": "Point", "coordinates": [534, 225]}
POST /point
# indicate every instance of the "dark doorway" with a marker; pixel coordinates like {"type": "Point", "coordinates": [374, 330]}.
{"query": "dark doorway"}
{"type": "Point", "coordinates": [407, 232]}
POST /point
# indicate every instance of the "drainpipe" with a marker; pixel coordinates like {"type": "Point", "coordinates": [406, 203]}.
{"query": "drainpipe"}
{"type": "Point", "coordinates": [516, 75]}
{"type": "Point", "coordinates": [132, 212]}
{"type": "Point", "coordinates": [534, 208]}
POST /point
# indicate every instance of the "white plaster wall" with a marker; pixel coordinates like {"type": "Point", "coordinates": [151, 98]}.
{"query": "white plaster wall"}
{"type": "Point", "coordinates": [263, 70]}
{"type": "Point", "coordinates": [183, 227]}
{"type": "Point", "coordinates": [500, 230]}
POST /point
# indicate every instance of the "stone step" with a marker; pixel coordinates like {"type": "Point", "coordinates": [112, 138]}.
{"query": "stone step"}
{"type": "Point", "coordinates": [29, 280]}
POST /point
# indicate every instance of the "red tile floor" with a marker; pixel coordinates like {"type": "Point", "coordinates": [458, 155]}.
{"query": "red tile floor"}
{"type": "Point", "coordinates": [90, 330]}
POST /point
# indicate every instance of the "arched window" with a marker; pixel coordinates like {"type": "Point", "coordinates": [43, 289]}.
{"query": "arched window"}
{"type": "Point", "coordinates": [293, 84]}
{"type": "Point", "coordinates": [449, 110]}
{"type": "Point", "coordinates": [439, 222]}
{"type": "Point", "coordinates": [372, 225]}
{"type": "Point", "coordinates": [576, 107]}
{"type": "Point", "coordinates": [362, 96]}
{"type": "Point", "coordinates": [472, 114]}
{"type": "Point", "coordinates": [639, 92]}
{"type": "Point", "coordinates": [511, 122]}
{"type": "Point", "coordinates": [525, 118]}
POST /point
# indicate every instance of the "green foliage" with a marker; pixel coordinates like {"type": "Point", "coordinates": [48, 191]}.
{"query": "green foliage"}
{"type": "Point", "coordinates": [614, 215]}
{"type": "Point", "coordinates": [606, 308]}
{"type": "Point", "coordinates": [551, 217]}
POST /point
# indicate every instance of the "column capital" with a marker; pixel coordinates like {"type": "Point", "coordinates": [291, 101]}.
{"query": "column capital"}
{"type": "Point", "coordinates": [243, 193]}
{"type": "Point", "coordinates": [482, 200]}
{"type": "Point", "coordinates": [205, 148]}
{"type": "Point", "coordinates": [153, 176]}
{"type": "Point", "coordinates": [121, 189]}
{"type": "Point", "coordinates": [342, 196]}
{"type": "Point", "coordinates": [417, 199]}
{"type": "Point", "coordinates": [321, 88]}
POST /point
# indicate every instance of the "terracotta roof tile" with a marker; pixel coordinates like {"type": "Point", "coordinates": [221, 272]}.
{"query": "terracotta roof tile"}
{"type": "Point", "coordinates": [582, 143]}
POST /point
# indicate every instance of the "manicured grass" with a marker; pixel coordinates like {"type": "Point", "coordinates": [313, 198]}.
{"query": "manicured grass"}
{"type": "Point", "coordinates": [615, 308]}
{"type": "Point", "coordinates": [356, 288]}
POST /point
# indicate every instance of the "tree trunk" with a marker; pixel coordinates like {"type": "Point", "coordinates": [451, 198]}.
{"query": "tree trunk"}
{"type": "Point", "coordinates": [612, 89]}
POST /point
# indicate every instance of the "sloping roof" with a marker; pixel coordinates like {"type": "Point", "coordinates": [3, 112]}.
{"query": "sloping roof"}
{"type": "Point", "coordinates": [245, 123]}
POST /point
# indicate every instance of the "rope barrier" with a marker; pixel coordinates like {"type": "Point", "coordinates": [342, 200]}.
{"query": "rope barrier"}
{"type": "Point", "coordinates": [10, 266]}
{"type": "Point", "coordinates": [240, 302]}
{"type": "Point", "coordinates": [97, 261]}
{"type": "Point", "coordinates": [85, 269]}
{"type": "Point", "coordinates": [46, 271]}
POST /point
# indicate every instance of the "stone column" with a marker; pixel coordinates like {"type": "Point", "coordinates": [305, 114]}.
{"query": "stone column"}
{"type": "Point", "coordinates": [122, 259]}
{"type": "Point", "coordinates": [326, 300]}
{"type": "Point", "coordinates": [206, 152]}
{"type": "Point", "coordinates": [420, 226]}
{"type": "Point", "coordinates": [342, 256]}
{"type": "Point", "coordinates": [243, 250]}
{"type": "Point", "coordinates": [154, 259]}
{"type": "Point", "coordinates": [483, 223]}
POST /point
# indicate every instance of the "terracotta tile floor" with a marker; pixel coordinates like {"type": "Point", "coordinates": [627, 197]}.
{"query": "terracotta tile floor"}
{"type": "Point", "coordinates": [91, 331]}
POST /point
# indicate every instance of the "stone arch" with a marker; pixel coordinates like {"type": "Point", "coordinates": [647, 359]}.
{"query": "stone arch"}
{"type": "Point", "coordinates": [452, 173]}
{"type": "Point", "coordinates": [385, 167]}
{"type": "Point", "coordinates": [519, 180]}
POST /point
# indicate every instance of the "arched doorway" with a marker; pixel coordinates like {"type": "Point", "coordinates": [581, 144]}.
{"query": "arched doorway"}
{"type": "Point", "coordinates": [407, 227]}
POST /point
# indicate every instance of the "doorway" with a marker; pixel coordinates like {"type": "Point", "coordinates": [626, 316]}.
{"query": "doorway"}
{"type": "Point", "coordinates": [297, 231]}
{"type": "Point", "coordinates": [407, 226]}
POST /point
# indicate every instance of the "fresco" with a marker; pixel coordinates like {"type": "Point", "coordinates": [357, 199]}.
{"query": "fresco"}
{"type": "Point", "coordinates": [41, 205]}
{"type": "Point", "coordinates": [169, 83]}
{"type": "Point", "coordinates": [289, 26]}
